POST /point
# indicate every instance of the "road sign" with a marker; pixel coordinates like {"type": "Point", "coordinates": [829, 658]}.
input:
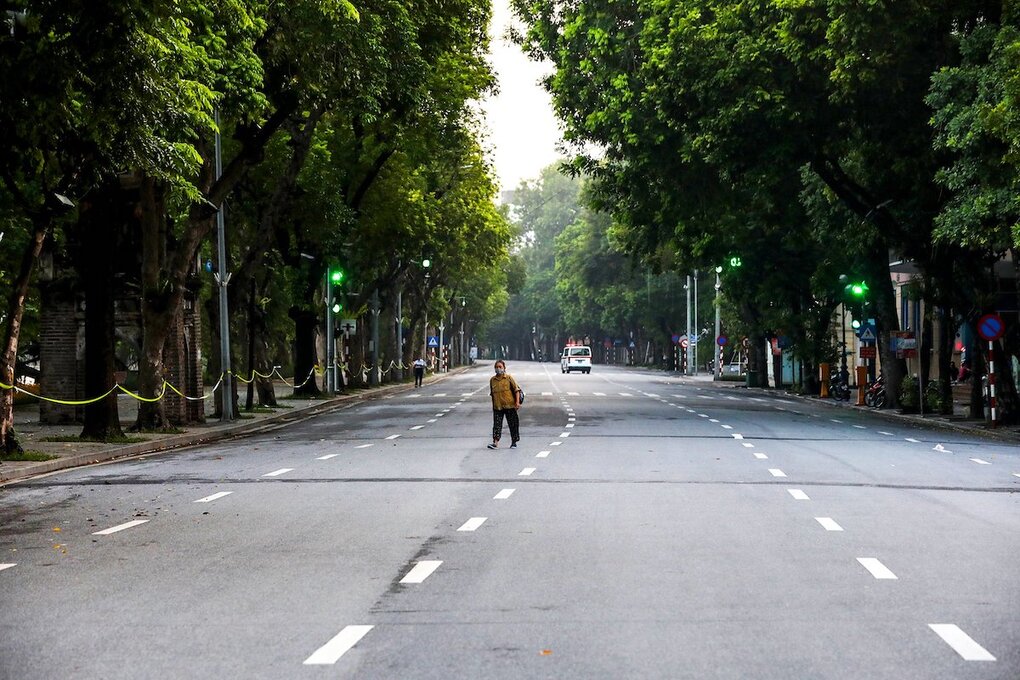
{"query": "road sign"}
{"type": "Point", "coordinates": [990, 327]}
{"type": "Point", "coordinates": [607, 343]}
{"type": "Point", "coordinates": [433, 341]}
{"type": "Point", "coordinates": [722, 340]}
{"type": "Point", "coordinates": [868, 352]}
{"type": "Point", "coordinates": [676, 339]}
{"type": "Point", "coordinates": [868, 333]}
{"type": "Point", "coordinates": [684, 342]}
{"type": "Point", "coordinates": [349, 326]}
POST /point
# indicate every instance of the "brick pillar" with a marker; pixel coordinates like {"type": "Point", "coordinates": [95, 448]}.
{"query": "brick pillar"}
{"type": "Point", "coordinates": [61, 356]}
{"type": "Point", "coordinates": [193, 364]}
{"type": "Point", "coordinates": [173, 364]}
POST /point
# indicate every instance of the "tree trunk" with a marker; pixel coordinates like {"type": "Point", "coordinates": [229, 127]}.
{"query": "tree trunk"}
{"type": "Point", "coordinates": [15, 313]}
{"type": "Point", "coordinates": [155, 301]}
{"type": "Point", "coordinates": [946, 337]}
{"type": "Point", "coordinates": [99, 227]}
{"type": "Point", "coordinates": [306, 324]}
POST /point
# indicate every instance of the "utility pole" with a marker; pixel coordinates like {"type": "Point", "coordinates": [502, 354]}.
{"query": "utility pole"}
{"type": "Point", "coordinates": [222, 279]}
{"type": "Point", "coordinates": [400, 336]}
{"type": "Point", "coordinates": [697, 326]}
{"type": "Point", "coordinates": [717, 348]}
{"type": "Point", "coordinates": [330, 340]}
{"type": "Point", "coordinates": [689, 333]}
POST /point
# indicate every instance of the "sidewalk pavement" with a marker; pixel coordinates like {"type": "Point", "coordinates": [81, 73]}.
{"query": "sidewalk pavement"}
{"type": "Point", "coordinates": [69, 454]}
{"type": "Point", "coordinates": [958, 422]}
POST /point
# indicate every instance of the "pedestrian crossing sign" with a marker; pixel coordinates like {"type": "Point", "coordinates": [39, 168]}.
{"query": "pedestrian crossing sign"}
{"type": "Point", "coordinates": [868, 333]}
{"type": "Point", "coordinates": [433, 341]}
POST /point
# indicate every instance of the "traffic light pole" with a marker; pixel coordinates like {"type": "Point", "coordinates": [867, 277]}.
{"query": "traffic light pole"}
{"type": "Point", "coordinates": [222, 279]}
{"type": "Point", "coordinates": [330, 339]}
{"type": "Point", "coordinates": [717, 348]}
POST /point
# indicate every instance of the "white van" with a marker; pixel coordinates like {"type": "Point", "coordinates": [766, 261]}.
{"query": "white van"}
{"type": "Point", "coordinates": [575, 358]}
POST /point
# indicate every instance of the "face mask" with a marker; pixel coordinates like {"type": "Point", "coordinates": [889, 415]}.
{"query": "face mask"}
{"type": "Point", "coordinates": [500, 371]}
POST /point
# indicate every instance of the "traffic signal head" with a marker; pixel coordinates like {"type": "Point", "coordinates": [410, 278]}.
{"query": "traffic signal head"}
{"type": "Point", "coordinates": [735, 262]}
{"type": "Point", "coordinates": [336, 275]}
{"type": "Point", "coordinates": [857, 290]}
{"type": "Point", "coordinates": [856, 324]}
{"type": "Point", "coordinates": [426, 263]}
{"type": "Point", "coordinates": [337, 307]}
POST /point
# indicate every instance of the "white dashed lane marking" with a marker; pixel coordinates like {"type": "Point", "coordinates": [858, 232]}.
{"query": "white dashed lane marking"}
{"type": "Point", "coordinates": [798, 495]}
{"type": "Point", "coordinates": [569, 425]}
{"type": "Point", "coordinates": [421, 571]}
{"type": "Point", "coordinates": [962, 644]}
{"type": "Point", "coordinates": [542, 454]}
{"type": "Point", "coordinates": [713, 420]}
{"type": "Point", "coordinates": [362, 446]}
{"type": "Point", "coordinates": [214, 497]}
{"type": "Point", "coordinates": [328, 456]}
{"type": "Point", "coordinates": [432, 420]}
{"type": "Point", "coordinates": [860, 427]}
{"type": "Point", "coordinates": [417, 427]}
{"type": "Point", "coordinates": [600, 394]}
{"type": "Point", "coordinates": [277, 473]}
{"type": "Point", "coordinates": [727, 427]}
{"type": "Point", "coordinates": [888, 434]}
{"type": "Point", "coordinates": [911, 439]}
{"type": "Point", "coordinates": [738, 436]}
{"type": "Point", "coordinates": [747, 445]}
{"type": "Point", "coordinates": [877, 569]}
{"type": "Point", "coordinates": [393, 436]}
{"type": "Point", "coordinates": [8, 565]}
{"type": "Point", "coordinates": [776, 472]}
{"type": "Point", "coordinates": [472, 524]}
{"type": "Point", "coordinates": [526, 472]}
{"type": "Point", "coordinates": [503, 495]}
{"type": "Point", "coordinates": [761, 456]}
{"type": "Point", "coordinates": [564, 435]}
{"type": "Point", "coordinates": [340, 644]}
{"type": "Point", "coordinates": [828, 523]}
{"type": "Point", "coordinates": [555, 443]}
{"type": "Point", "coordinates": [980, 462]}
{"type": "Point", "coordinates": [119, 527]}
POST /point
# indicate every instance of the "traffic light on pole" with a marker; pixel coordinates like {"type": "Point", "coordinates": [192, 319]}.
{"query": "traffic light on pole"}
{"type": "Point", "coordinates": [336, 278]}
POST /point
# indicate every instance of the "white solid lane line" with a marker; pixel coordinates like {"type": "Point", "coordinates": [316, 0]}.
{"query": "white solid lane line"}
{"type": "Point", "coordinates": [214, 497]}
{"type": "Point", "coordinates": [8, 565]}
{"type": "Point", "coordinates": [828, 523]}
{"type": "Point", "coordinates": [421, 571]}
{"type": "Point", "coordinates": [393, 436]}
{"type": "Point", "coordinates": [776, 472]}
{"type": "Point", "coordinates": [328, 456]}
{"type": "Point", "coordinates": [962, 644]}
{"type": "Point", "coordinates": [503, 495]}
{"type": "Point", "coordinates": [542, 454]}
{"type": "Point", "coordinates": [362, 446]}
{"type": "Point", "coordinates": [119, 527]}
{"type": "Point", "coordinates": [798, 495]}
{"type": "Point", "coordinates": [761, 456]}
{"type": "Point", "coordinates": [980, 462]}
{"type": "Point", "coordinates": [472, 524]}
{"type": "Point", "coordinates": [877, 569]}
{"type": "Point", "coordinates": [526, 472]}
{"type": "Point", "coordinates": [277, 473]}
{"type": "Point", "coordinates": [417, 427]}
{"type": "Point", "coordinates": [330, 653]}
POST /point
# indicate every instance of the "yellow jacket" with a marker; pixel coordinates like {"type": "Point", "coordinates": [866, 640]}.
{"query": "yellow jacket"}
{"type": "Point", "coordinates": [503, 390]}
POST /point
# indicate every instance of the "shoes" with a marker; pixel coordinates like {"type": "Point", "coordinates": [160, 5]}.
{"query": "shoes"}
{"type": "Point", "coordinates": [514, 445]}
{"type": "Point", "coordinates": [492, 446]}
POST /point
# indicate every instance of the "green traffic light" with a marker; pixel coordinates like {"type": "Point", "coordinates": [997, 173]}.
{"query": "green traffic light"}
{"type": "Point", "coordinates": [426, 263]}
{"type": "Point", "coordinates": [856, 324]}
{"type": "Point", "coordinates": [735, 262]}
{"type": "Point", "coordinates": [336, 276]}
{"type": "Point", "coordinates": [337, 307]}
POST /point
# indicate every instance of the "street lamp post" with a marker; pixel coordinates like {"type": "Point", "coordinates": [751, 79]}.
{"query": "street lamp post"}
{"type": "Point", "coordinates": [687, 351]}
{"type": "Point", "coordinates": [400, 336]}
{"type": "Point", "coordinates": [222, 279]}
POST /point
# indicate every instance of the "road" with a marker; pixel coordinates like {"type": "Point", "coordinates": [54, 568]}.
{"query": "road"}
{"type": "Point", "coordinates": [644, 529]}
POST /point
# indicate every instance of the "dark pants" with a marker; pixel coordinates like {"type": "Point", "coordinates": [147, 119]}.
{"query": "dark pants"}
{"type": "Point", "coordinates": [511, 420]}
{"type": "Point", "coordinates": [419, 373]}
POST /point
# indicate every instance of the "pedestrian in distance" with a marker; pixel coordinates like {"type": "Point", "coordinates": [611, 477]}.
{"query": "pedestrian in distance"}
{"type": "Point", "coordinates": [506, 400]}
{"type": "Point", "coordinates": [419, 371]}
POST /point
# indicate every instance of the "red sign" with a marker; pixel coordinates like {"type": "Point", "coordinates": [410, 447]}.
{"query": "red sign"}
{"type": "Point", "coordinates": [868, 352]}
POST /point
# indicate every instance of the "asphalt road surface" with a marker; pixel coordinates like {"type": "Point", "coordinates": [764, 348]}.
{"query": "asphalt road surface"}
{"type": "Point", "coordinates": [643, 529]}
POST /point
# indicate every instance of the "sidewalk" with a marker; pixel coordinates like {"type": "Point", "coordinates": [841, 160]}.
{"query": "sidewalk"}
{"type": "Point", "coordinates": [69, 454]}
{"type": "Point", "coordinates": [958, 422]}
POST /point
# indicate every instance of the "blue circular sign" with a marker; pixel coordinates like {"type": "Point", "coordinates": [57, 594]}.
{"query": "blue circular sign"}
{"type": "Point", "coordinates": [722, 340]}
{"type": "Point", "coordinates": [990, 327]}
{"type": "Point", "coordinates": [676, 339]}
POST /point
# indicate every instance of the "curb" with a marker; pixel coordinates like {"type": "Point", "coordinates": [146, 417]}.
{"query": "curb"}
{"type": "Point", "coordinates": [220, 433]}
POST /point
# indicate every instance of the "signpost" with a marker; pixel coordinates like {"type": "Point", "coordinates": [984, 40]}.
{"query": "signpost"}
{"type": "Point", "coordinates": [991, 327]}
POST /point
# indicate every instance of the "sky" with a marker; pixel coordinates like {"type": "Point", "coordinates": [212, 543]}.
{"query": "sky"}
{"type": "Point", "coordinates": [522, 130]}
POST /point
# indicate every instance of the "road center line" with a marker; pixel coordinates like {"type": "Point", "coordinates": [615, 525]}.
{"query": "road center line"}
{"type": "Point", "coordinates": [877, 569]}
{"type": "Point", "coordinates": [277, 473]}
{"type": "Point", "coordinates": [421, 571]}
{"type": "Point", "coordinates": [798, 495]}
{"type": "Point", "coordinates": [828, 523]}
{"type": "Point", "coordinates": [119, 527]}
{"type": "Point", "coordinates": [962, 644]}
{"type": "Point", "coordinates": [472, 524]}
{"type": "Point", "coordinates": [340, 644]}
{"type": "Point", "coordinates": [503, 495]}
{"type": "Point", "coordinates": [215, 496]}
{"type": "Point", "coordinates": [526, 472]}
{"type": "Point", "coordinates": [776, 472]}
{"type": "Point", "coordinates": [328, 456]}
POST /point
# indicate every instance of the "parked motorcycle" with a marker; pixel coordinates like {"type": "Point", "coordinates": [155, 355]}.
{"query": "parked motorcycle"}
{"type": "Point", "coordinates": [875, 395]}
